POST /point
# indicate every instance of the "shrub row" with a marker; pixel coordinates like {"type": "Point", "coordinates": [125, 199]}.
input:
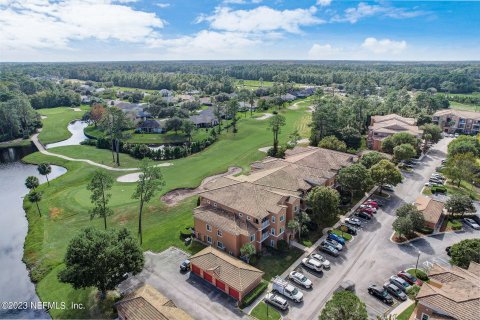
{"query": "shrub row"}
{"type": "Point", "coordinates": [253, 295]}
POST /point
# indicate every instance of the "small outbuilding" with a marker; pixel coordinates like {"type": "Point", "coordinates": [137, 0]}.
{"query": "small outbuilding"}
{"type": "Point", "coordinates": [433, 211]}
{"type": "Point", "coordinates": [229, 274]}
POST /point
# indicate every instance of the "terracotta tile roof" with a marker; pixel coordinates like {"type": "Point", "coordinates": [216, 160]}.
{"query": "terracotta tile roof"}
{"type": "Point", "coordinates": [234, 272]}
{"type": "Point", "coordinates": [393, 126]}
{"type": "Point", "coordinates": [455, 292]}
{"type": "Point", "coordinates": [459, 113]}
{"type": "Point", "coordinates": [396, 117]}
{"type": "Point", "coordinates": [319, 158]}
{"type": "Point", "coordinates": [474, 268]}
{"type": "Point", "coordinates": [147, 303]}
{"type": "Point", "coordinates": [223, 220]}
{"type": "Point", "coordinates": [432, 209]}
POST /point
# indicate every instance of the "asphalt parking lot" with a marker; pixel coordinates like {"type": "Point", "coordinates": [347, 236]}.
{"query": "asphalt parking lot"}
{"type": "Point", "coordinates": [198, 298]}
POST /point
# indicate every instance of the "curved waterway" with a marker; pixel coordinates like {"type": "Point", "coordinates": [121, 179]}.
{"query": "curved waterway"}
{"type": "Point", "coordinates": [15, 284]}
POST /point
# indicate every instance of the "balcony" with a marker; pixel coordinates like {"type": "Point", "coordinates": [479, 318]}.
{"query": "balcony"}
{"type": "Point", "coordinates": [265, 236]}
{"type": "Point", "coordinates": [265, 223]}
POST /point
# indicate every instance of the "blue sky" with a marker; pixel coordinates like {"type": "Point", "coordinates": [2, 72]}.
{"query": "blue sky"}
{"type": "Point", "coordinates": [92, 30]}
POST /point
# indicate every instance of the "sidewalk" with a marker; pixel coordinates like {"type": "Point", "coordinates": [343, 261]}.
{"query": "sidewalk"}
{"type": "Point", "coordinates": [400, 308]}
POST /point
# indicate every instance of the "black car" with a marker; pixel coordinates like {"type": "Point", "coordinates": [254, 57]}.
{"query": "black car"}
{"type": "Point", "coordinates": [348, 229]}
{"type": "Point", "coordinates": [448, 251]}
{"type": "Point", "coordinates": [362, 215]}
{"type": "Point", "coordinates": [395, 291]}
{"type": "Point", "coordinates": [185, 266]}
{"type": "Point", "coordinates": [380, 293]}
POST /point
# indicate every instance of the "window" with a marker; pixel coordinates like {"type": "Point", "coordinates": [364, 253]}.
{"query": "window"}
{"type": "Point", "coordinates": [272, 231]}
{"type": "Point", "coordinates": [209, 240]}
{"type": "Point", "coordinates": [219, 233]}
{"type": "Point", "coordinates": [252, 237]}
{"type": "Point", "coordinates": [220, 245]}
{"type": "Point", "coordinates": [240, 214]}
{"type": "Point", "coordinates": [273, 219]}
{"type": "Point", "coordinates": [281, 230]}
{"type": "Point", "coordinates": [272, 243]}
{"type": "Point", "coordinates": [425, 316]}
{"type": "Point", "coordinates": [209, 228]}
{"type": "Point", "coordinates": [215, 204]}
{"type": "Point", "coordinates": [248, 218]}
{"type": "Point", "coordinates": [282, 217]}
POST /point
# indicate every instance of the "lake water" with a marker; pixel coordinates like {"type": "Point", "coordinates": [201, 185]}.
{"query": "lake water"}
{"type": "Point", "coordinates": [15, 284]}
{"type": "Point", "coordinates": [76, 128]}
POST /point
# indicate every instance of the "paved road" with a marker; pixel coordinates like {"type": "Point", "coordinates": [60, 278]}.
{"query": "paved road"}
{"type": "Point", "coordinates": [371, 257]}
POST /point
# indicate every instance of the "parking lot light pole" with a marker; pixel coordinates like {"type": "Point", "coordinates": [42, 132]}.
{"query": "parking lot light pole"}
{"type": "Point", "coordinates": [416, 266]}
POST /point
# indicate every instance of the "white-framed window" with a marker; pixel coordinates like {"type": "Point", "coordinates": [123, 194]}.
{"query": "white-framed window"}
{"type": "Point", "coordinates": [252, 237]}
{"type": "Point", "coordinates": [282, 217]}
{"type": "Point", "coordinates": [215, 204]}
{"type": "Point", "coordinates": [248, 218]}
{"type": "Point", "coordinates": [219, 233]}
{"type": "Point", "coordinates": [220, 245]}
{"type": "Point", "coordinates": [425, 316]}
{"type": "Point", "coordinates": [272, 243]}
{"type": "Point", "coordinates": [273, 219]}
{"type": "Point", "coordinates": [209, 228]}
{"type": "Point", "coordinates": [272, 231]}
{"type": "Point", "coordinates": [240, 214]}
{"type": "Point", "coordinates": [281, 230]}
{"type": "Point", "coordinates": [209, 240]}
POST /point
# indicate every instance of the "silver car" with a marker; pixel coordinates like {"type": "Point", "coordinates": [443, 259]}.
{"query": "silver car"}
{"type": "Point", "coordinates": [471, 223]}
{"type": "Point", "coordinates": [334, 244]}
{"type": "Point", "coordinates": [400, 283]}
{"type": "Point", "coordinates": [276, 300]}
{"type": "Point", "coordinates": [300, 278]}
{"type": "Point", "coordinates": [319, 257]}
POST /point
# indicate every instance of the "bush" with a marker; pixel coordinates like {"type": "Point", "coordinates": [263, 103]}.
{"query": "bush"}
{"type": "Point", "coordinates": [250, 298]}
{"type": "Point", "coordinates": [413, 291]}
{"type": "Point", "coordinates": [89, 142]}
{"type": "Point", "coordinates": [420, 274]}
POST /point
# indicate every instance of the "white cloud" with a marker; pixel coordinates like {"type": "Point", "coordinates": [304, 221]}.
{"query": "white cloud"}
{"type": "Point", "coordinates": [325, 51]}
{"type": "Point", "coordinates": [384, 46]}
{"type": "Point", "coordinates": [261, 19]}
{"type": "Point", "coordinates": [162, 5]}
{"type": "Point", "coordinates": [241, 1]}
{"type": "Point", "coordinates": [363, 10]}
{"type": "Point", "coordinates": [55, 24]}
{"type": "Point", "coordinates": [324, 3]}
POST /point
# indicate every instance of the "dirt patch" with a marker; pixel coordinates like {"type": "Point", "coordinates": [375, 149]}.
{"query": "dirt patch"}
{"type": "Point", "coordinates": [55, 213]}
{"type": "Point", "coordinates": [173, 197]}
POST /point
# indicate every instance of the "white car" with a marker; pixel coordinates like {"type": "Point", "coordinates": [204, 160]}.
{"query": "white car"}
{"type": "Point", "coordinates": [353, 221]}
{"type": "Point", "coordinates": [471, 223]}
{"type": "Point", "coordinates": [300, 279]}
{"type": "Point", "coordinates": [276, 300]}
{"type": "Point", "coordinates": [312, 264]}
{"type": "Point", "coordinates": [319, 257]}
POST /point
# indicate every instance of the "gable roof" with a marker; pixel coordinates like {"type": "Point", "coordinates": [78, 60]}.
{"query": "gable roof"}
{"type": "Point", "coordinates": [147, 303]}
{"type": "Point", "coordinates": [459, 113]}
{"type": "Point", "coordinates": [395, 117]}
{"type": "Point", "coordinates": [234, 272]}
{"type": "Point", "coordinates": [223, 220]}
{"type": "Point", "coordinates": [204, 116]}
{"type": "Point", "coordinates": [431, 209]}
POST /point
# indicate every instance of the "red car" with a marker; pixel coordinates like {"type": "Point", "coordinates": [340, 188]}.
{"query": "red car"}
{"type": "Point", "coordinates": [368, 210]}
{"type": "Point", "coordinates": [372, 203]}
{"type": "Point", "coordinates": [409, 278]}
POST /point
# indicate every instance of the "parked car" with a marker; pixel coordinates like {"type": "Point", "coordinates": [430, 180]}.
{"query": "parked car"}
{"type": "Point", "coordinates": [185, 266]}
{"type": "Point", "coordinates": [395, 291]}
{"type": "Point", "coordinates": [380, 202]}
{"type": "Point", "coordinates": [300, 279]}
{"type": "Point", "coordinates": [277, 301]}
{"type": "Point", "coordinates": [438, 176]}
{"type": "Point", "coordinates": [334, 244]}
{"type": "Point", "coordinates": [319, 257]}
{"type": "Point", "coordinates": [337, 238]}
{"type": "Point", "coordinates": [312, 264]}
{"type": "Point", "coordinates": [437, 181]}
{"type": "Point", "coordinates": [353, 221]}
{"type": "Point", "coordinates": [430, 184]}
{"type": "Point", "coordinates": [409, 278]}
{"type": "Point", "coordinates": [370, 207]}
{"type": "Point", "coordinates": [448, 250]}
{"type": "Point", "coordinates": [372, 203]}
{"type": "Point", "coordinates": [368, 210]}
{"type": "Point", "coordinates": [444, 161]}
{"type": "Point", "coordinates": [325, 247]}
{"type": "Point", "coordinates": [380, 293]}
{"type": "Point", "coordinates": [399, 282]}
{"type": "Point", "coordinates": [286, 289]}
{"type": "Point", "coordinates": [348, 229]}
{"type": "Point", "coordinates": [362, 215]}
{"type": "Point", "coordinates": [471, 223]}
{"type": "Point", "coordinates": [387, 187]}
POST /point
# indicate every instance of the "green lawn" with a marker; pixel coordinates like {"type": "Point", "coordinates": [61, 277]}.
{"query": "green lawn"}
{"type": "Point", "coordinates": [274, 263]}
{"type": "Point", "coordinates": [454, 224]}
{"type": "Point", "coordinates": [265, 312]}
{"type": "Point", "coordinates": [55, 125]}
{"type": "Point", "coordinates": [169, 137]}
{"type": "Point", "coordinates": [405, 315]}
{"type": "Point", "coordinates": [66, 203]}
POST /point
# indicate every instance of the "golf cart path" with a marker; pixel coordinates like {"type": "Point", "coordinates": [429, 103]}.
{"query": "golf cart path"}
{"type": "Point", "coordinates": [42, 150]}
{"type": "Point", "coordinates": [171, 198]}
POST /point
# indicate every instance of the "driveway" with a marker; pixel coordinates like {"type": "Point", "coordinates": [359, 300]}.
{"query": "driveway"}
{"type": "Point", "coordinates": [190, 293]}
{"type": "Point", "coordinates": [371, 257]}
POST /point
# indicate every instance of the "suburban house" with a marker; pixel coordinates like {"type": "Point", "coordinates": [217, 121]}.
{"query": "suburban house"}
{"type": "Point", "coordinates": [230, 275]}
{"type": "Point", "coordinates": [151, 126]}
{"type": "Point", "coordinates": [452, 121]}
{"type": "Point", "coordinates": [147, 303]}
{"type": "Point", "coordinates": [304, 93]}
{"type": "Point", "coordinates": [288, 97]}
{"type": "Point", "coordinates": [450, 294]}
{"type": "Point", "coordinates": [382, 127]}
{"type": "Point", "coordinates": [433, 211]}
{"type": "Point", "coordinates": [246, 105]}
{"type": "Point", "coordinates": [256, 208]}
{"type": "Point", "coordinates": [205, 118]}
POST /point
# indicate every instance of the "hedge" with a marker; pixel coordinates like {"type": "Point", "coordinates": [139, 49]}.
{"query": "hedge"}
{"type": "Point", "coordinates": [253, 295]}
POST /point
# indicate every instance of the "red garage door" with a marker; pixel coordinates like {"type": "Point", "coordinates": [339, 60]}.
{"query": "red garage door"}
{"type": "Point", "coordinates": [195, 269]}
{"type": "Point", "coordinates": [234, 293]}
{"type": "Point", "coordinates": [220, 285]}
{"type": "Point", "coordinates": [207, 277]}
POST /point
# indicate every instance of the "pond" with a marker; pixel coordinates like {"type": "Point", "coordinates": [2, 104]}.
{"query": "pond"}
{"type": "Point", "coordinates": [76, 129]}
{"type": "Point", "coordinates": [15, 284]}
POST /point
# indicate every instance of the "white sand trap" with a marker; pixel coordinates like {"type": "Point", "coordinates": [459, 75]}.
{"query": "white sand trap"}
{"type": "Point", "coordinates": [133, 177]}
{"type": "Point", "coordinates": [265, 116]}
{"type": "Point", "coordinates": [43, 117]}
{"type": "Point", "coordinates": [77, 109]}
{"type": "Point", "coordinates": [264, 149]}
{"type": "Point", "coordinates": [303, 141]}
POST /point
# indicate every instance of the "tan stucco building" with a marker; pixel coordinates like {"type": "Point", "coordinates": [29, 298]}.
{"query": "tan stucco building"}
{"type": "Point", "coordinates": [452, 121]}
{"type": "Point", "coordinates": [382, 127]}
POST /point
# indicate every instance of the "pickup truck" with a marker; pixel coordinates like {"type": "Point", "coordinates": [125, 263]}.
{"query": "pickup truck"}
{"type": "Point", "coordinates": [286, 289]}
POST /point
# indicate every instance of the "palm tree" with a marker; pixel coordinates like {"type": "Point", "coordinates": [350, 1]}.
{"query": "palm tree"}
{"type": "Point", "coordinates": [44, 169]}
{"type": "Point", "coordinates": [35, 197]}
{"type": "Point", "coordinates": [32, 182]}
